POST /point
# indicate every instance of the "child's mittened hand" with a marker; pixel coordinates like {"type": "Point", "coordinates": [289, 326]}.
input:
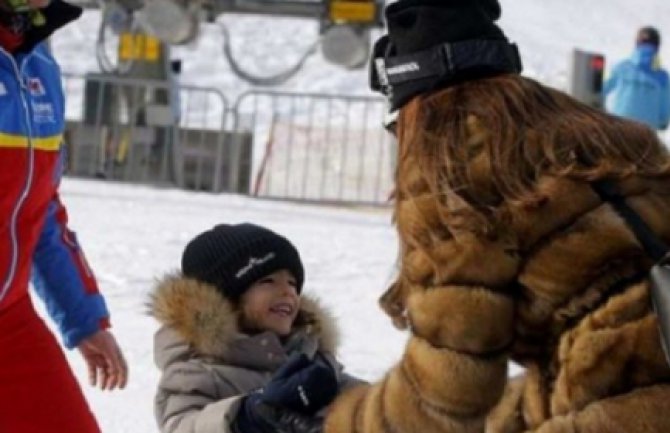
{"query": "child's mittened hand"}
{"type": "Point", "coordinates": [256, 416]}
{"type": "Point", "coordinates": [302, 385]}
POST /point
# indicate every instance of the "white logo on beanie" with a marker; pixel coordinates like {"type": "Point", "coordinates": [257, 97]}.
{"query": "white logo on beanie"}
{"type": "Point", "coordinates": [253, 262]}
{"type": "Point", "coordinates": [404, 68]}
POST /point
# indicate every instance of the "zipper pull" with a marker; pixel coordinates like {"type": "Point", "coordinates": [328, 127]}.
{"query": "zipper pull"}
{"type": "Point", "coordinates": [23, 82]}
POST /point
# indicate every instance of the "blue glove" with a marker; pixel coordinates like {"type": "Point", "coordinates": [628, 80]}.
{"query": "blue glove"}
{"type": "Point", "coordinates": [288, 403]}
{"type": "Point", "coordinates": [255, 416]}
{"type": "Point", "coordinates": [302, 385]}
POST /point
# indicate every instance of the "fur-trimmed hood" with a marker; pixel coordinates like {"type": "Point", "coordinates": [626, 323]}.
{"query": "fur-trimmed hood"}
{"type": "Point", "coordinates": [198, 320]}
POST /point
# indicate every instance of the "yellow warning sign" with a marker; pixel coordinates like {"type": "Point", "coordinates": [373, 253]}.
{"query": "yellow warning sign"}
{"type": "Point", "coordinates": [127, 47]}
{"type": "Point", "coordinates": [152, 49]}
{"type": "Point", "coordinates": [353, 11]}
{"type": "Point", "coordinates": [133, 46]}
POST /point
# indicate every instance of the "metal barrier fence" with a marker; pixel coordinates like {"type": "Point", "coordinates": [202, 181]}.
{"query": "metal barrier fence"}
{"type": "Point", "coordinates": [150, 132]}
{"type": "Point", "coordinates": [318, 147]}
{"type": "Point", "coordinates": [280, 145]}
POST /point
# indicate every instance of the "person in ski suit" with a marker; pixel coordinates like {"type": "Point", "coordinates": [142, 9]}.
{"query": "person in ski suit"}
{"type": "Point", "coordinates": [38, 391]}
{"type": "Point", "coordinates": [241, 349]}
{"type": "Point", "coordinates": [639, 87]}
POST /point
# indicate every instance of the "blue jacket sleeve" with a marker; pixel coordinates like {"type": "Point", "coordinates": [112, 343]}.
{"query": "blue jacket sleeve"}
{"type": "Point", "coordinates": [612, 81]}
{"type": "Point", "coordinates": [63, 279]}
{"type": "Point", "coordinates": [664, 111]}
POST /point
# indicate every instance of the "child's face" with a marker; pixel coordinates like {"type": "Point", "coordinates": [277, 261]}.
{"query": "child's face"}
{"type": "Point", "coordinates": [271, 303]}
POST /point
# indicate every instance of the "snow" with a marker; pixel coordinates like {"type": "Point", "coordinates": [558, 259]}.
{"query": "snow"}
{"type": "Point", "coordinates": [134, 234]}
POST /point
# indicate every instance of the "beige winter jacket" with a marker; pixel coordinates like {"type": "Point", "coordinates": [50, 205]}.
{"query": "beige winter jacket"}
{"type": "Point", "coordinates": [207, 365]}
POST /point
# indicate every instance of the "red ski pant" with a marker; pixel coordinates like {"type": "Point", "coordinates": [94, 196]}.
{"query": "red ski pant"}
{"type": "Point", "coordinates": [38, 392]}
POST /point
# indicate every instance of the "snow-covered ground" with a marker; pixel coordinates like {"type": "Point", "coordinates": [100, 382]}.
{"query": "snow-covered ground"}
{"type": "Point", "coordinates": [134, 234]}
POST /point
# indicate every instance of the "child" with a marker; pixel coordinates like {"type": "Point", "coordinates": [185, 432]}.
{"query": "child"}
{"type": "Point", "coordinates": [240, 349]}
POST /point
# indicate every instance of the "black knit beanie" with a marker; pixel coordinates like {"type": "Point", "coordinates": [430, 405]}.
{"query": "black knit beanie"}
{"type": "Point", "coordinates": [414, 25]}
{"type": "Point", "coordinates": [232, 257]}
{"type": "Point", "coordinates": [417, 25]}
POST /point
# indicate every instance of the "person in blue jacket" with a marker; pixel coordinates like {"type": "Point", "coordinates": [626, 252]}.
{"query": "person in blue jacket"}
{"type": "Point", "coordinates": [639, 87]}
{"type": "Point", "coordinates": [38, 391]}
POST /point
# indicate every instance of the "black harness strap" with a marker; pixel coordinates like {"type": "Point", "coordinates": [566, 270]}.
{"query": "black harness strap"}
{"type": "Point", "coordinates": [652, 244]}
{"type": "Point", "coordinates": [659, 275]}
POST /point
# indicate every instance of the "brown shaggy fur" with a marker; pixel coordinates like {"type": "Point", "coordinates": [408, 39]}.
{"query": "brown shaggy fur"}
{"type": "Point", "coordinates": [508, 253]}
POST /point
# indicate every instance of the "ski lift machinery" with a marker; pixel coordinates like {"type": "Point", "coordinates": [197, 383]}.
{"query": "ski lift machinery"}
{"type": "Point", "coordinates": [147, 28]}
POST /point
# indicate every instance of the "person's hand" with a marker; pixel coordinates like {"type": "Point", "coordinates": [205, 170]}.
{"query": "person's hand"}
{"type": "Point", "coordinates": [106, 365]}
{"type": "Point", "coordinates": [302, 385]}
{"type": "Point", "coordinates": [289, 402]}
